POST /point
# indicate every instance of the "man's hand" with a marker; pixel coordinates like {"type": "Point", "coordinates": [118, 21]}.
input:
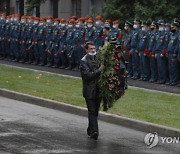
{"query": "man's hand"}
{"type": "Point", "coordinates": [101, 68]}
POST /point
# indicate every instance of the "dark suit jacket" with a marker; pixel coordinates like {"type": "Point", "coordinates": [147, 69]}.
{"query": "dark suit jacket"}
{"type": "Point", "coordinates": [89, 74]}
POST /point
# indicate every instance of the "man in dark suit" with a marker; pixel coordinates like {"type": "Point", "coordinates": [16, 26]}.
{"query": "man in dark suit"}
{"type": "Point", "coordinates": [90, 74]}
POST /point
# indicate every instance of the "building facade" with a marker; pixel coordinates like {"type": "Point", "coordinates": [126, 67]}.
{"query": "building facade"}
{"type": "Point", "coordinates": [60, 8]}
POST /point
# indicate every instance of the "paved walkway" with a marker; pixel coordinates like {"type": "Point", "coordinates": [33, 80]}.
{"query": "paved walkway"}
{"type": "Point", "coordinates": [31, 129]}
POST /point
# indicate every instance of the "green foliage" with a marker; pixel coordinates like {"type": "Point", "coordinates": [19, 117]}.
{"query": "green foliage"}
{"type": "Point", "coordinates": [145, 10]}
{"type": "Point", "coordinates": [109, 81]}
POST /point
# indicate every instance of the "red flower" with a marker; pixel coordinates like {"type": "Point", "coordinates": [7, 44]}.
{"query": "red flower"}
{"type": "Point", "coordinates": [124, 48]}
{"type": "Point", "coordinates": [146, 51]}
{"type": "Point", "coordinates": [111, 86]}
{"type": "Point", "coordinates": [164, 52]}
{"type": "Point", "coordinates": [128, 54]}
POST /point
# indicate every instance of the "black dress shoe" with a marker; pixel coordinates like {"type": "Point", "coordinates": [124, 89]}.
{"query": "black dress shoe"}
{"type": "Point", "coordinates": [69, 68]}
{"type": "Point", "coordinates": [94, 135]}
{"type": "Point", "coordinates": [162, 82]}
{"type": "Point", "coordinates": [173, 84]}
{"type": "Point", "coordinates": [76, 68]}
{"type": "Point", "coordinates": [89, 132]}
{"type": "Point", "coordinates": [145, 79]}
{"type": "Point", "coordinates": [62, 67]}
{"type": "Point", "coordinates": [140, 79]}
{"type": "Point", "coordinates": [135, 78]}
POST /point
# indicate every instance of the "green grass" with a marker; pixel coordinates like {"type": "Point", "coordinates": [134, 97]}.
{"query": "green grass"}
{"type": "Point", "coordinates": [152, 107]}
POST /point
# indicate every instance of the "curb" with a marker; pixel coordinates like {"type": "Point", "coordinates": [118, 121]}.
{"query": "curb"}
{"type": "Point", "coordinates": [107, 117]}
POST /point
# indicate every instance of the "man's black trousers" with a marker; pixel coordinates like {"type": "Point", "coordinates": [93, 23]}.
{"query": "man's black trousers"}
{"type": "Point", "coordinates": [93, 109]}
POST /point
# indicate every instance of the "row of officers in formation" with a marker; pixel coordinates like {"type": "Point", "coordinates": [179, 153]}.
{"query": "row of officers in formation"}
{"type": "Point", "coordinates": [151, 49]}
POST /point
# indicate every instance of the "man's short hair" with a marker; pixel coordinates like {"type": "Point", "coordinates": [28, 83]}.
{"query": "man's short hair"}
{"type": "Point", "coordinates": [86, 46]}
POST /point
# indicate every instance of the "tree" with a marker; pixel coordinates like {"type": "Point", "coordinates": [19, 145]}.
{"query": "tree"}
{"type": "Point", "coordinates": [143, 9]}
{"type": "Point", "coordinates": [118, 9]}
{"type": "Point", "coordinates": [157, 9]}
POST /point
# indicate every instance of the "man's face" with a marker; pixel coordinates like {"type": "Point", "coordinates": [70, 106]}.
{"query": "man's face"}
{"type": "Point", "coordinates": [91, 50]}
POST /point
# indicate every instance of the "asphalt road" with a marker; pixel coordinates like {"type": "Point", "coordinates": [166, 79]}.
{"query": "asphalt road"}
{"type": "Point", "coordinates": [31, 129]}
{"type": "Point", "coordinates": [135, 83]}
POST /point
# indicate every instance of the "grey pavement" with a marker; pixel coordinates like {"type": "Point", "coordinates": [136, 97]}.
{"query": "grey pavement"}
{"type": "Point", "coordinates": [134, 83]}
{"type": "Point", "coordinates": [31, 129]}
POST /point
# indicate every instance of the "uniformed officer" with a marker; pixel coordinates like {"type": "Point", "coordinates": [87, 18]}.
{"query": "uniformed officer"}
{"type": "Point", "coordinates": [15, 38]}
{"type": "Point", "coordinates": [116, 32]}
{"type": "Point", "coordinates": [29, 40]}
{"type": "Point", "coordinates": [106, 31]}
{"type": "Point", "coordinates": [2, 39]}
{"type": "Point", "coordinates": [98, 33]}
{"type": "Point", "coordinates": [23, 27]}
{"type": "Point", "coordinates": [7, 38]}
{"type": "Point", "coordinates": [48, 40]}
{"type": "Point", "coordinates": [89, 32]}
{"type": "Point", "coordinates": [173, 53]}
{"type": "Point", "coordinates": [127, 46]}
{"type": "Point", "coordinates": [158, 49]}
{"type": "Point", "coordinates": [41, 42]}
{"type": "Point", "coordinates": [167, 36]}
{"type": "Point", "coordinates": [55, 43]}
{"type": "Point", "coordinates": [134, 48]}
{"type": "Point", "coordinates": [143, 52]}
{"type": "Point", "coordinates": [63, 44]}
{"type": "Point", "coordinates": [153, 62]}
{"type": "Point", "coordinates": [79, 40]}
{"type": "Point", "coordinates": [35, 50]}
{"type": "Point", "coordinates": [11, 39]}
{"type": "Point", "coordinates": [70, 44]}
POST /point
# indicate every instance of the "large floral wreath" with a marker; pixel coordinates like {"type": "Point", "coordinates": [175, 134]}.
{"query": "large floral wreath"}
{"type": "Point", "coordinates": [110, 84]}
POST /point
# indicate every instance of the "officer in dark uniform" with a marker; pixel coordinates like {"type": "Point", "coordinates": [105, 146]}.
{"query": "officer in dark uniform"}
{"type": "Point", "coordinates": [23, 27]}
{"type": "Point", "coordinates": [29, 40]}
{"type": "Point", "coordinates": [98, 33]}
{"type": "Point", "coordinates": [41, 42]}
{"type": "Point", "coordinates": [70, 44]}
{"type": "Point", "coordinates": [134, 48]}
{"type": "Point", "coordinates": [35, 50]}
{"type": "Point", "coordinates": [89, 32]}
{"type": "Point", "coordinates": [63, 44]}
{"type": "Point", "coordinates": [106, 31]}
{"type": "Point", "coordinates": [55, 43]}
{"type": "Point", "coordinates": [127, 46]}
{"type": "Point", "coordinates": [116, 32]}
{"type": "Point", "coordinates": [7, 38]}
{"type": "Point", "coordinates": [11, 39]}
{"type": "Point", "coordinates": [79, 39]}
{"type": "Point", "coordinates": [143, 52]}
{"type": "Point", "coordinates": [173, 47]}
{"type": "Point", "coordinates": [48, 40]}
{"type": "Point", "coordinates": [153, 62]}
{"type": "Point", "coordinates": [2, 40]}
{"type": "Point", "coordinates": [167, 36]}
{"type": "Point", "coordinates": [158, 49]}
